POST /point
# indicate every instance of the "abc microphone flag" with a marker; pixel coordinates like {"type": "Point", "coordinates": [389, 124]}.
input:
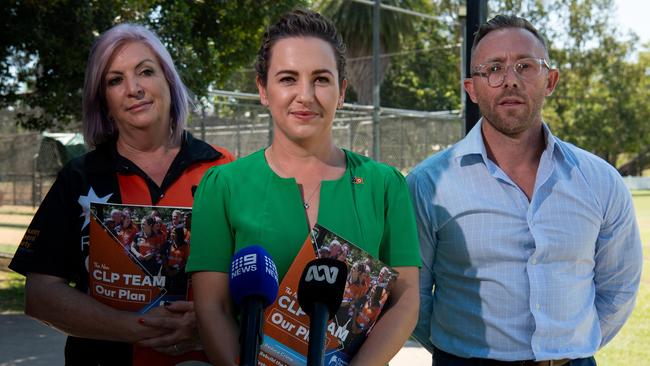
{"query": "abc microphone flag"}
{"type": "Point", "coordinates": [320, 292]}
{"type": "Point", "coordinates": [253, 283]}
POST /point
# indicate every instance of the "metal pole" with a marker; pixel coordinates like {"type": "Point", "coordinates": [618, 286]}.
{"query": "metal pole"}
{"type": "Point", "coordinates": [203, 116]}
{"type": "Point", "coordinates": [15, 178]}
{"type": "Point", "coordinates": [397, 9]}
{"type": "Point", "coordinates": [476, 14]}
{"type": "Point", "coordinates": [34, 162]}
{"type": "Point", "coordinates": [375, 81]}
{"type": "Point", "coordinates": [462, 18]}
{"type": "Point", "coordinates": [237, 134]}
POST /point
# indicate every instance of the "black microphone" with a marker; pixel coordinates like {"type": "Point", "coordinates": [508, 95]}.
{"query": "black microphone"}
{"type": "Point", "coordinates": [320, 293]}
{"type": "Point", "coordinates": [254, 286]}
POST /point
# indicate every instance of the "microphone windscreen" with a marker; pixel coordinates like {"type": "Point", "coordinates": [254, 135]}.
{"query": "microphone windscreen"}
{"type": "Point", "coordinates": [323, 280]}
{"type": "Point", "coordinates": [253, 274]}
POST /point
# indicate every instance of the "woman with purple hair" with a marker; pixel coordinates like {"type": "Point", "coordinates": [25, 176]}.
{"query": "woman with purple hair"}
{"type": "Point", "coordinates": [134, 111]}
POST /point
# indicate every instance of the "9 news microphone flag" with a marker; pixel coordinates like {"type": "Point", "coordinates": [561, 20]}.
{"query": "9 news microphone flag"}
{"type": "Point", "coordinates": [320, 292]}
{"type": "Point", "coordinates": [254, 286]}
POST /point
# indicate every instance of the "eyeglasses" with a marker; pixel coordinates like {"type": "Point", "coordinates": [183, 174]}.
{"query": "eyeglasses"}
{"type": "Point", "coordinates": [495, 72]}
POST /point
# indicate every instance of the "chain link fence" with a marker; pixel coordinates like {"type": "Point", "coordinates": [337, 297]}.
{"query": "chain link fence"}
{"type": "Point", "coordinates": [239, 123]}
{"type": "Point", "coordinates": [236, 121]}
{"type": "Point", "coordinates": [27, 168]}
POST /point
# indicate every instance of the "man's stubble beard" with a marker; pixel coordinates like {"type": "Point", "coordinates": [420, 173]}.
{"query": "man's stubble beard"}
{"type": "Point", "coordinates": [514, 122]}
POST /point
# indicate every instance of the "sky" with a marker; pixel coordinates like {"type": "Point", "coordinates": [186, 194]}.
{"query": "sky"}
{"type": "Point", "coordinates": [633, 14]}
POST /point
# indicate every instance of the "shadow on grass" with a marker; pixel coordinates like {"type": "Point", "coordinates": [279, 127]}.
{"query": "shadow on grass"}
{"type": "Point", "coordinates": [12, 292]}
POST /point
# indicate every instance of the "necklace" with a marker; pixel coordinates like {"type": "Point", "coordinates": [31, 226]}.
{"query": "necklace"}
{"type": "Point", "coordinates": [305, 203]}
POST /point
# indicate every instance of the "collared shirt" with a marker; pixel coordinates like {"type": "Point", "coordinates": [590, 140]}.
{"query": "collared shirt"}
{"type": "Point", "coordinates": [550, 278]}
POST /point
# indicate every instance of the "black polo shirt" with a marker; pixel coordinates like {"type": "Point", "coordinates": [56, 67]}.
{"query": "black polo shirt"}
{"type": "Point", "coordinates": [56, 241]}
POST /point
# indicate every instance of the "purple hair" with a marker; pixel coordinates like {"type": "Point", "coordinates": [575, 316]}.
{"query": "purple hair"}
{"type": "Point", "coordinates": [97, 128]}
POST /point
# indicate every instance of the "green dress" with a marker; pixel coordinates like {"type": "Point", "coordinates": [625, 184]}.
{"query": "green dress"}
{"type": "Point", "coordinates": [245, 203]}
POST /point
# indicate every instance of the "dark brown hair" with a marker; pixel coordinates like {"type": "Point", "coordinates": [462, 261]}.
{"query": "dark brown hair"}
{"type": "Point", "coordinates": [503, 22]}
{"type": "Point", "coordinates": [300, 23]}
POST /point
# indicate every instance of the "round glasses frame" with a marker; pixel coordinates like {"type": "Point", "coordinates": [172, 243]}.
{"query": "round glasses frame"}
{"type": "Point", "coordinates": [525, 68]}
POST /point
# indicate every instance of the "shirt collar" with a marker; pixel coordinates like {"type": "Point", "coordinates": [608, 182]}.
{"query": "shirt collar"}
{"type": "Point", "coordinates": [473, 143]}
{"type": "Point", "coordinates": [192, 151]}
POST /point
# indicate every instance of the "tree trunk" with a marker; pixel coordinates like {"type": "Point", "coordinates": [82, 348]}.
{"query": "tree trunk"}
{"type": "Point", "coordinates": [360, 72]}
{"type": "Point", "coordinates": [360, 78]}
{"type": "Point", "coordinates": [637, 164]}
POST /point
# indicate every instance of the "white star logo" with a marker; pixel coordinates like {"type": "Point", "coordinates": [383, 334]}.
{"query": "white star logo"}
{"type": "Point", "coordinates": [85, 201]}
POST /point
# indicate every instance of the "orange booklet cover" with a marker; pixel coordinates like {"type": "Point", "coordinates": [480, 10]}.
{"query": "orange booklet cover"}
{"type": "Point", "coordinates": [137, 261]}
{"type": "Point", "coordinates": [286, 326]}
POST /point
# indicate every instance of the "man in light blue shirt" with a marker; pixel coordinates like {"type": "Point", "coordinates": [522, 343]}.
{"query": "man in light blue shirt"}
{"type": "Point", "coordinates": [530, 244]}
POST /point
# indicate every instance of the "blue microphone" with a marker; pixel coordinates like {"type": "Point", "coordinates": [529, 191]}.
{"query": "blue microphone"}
{"type": "Point", "coordinates": [253, 286]}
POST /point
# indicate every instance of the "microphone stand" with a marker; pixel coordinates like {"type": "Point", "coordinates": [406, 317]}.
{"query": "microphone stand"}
{"type": "Point", "coordinates": [250, 337]}
{"type": "Point", "coordinates": [318, 327]}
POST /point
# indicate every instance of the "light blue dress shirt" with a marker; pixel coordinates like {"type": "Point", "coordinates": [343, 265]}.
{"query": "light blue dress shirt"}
{"type": "Point", "coordinates": [552, 278]}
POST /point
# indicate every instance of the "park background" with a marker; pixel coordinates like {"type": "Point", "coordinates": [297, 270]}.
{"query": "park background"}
{"type": "Point", "coordinates": [601, 104]}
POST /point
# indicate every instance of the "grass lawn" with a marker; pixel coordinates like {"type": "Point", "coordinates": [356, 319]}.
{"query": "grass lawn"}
{"type": "Point", "coordinates": [629, 347]}
{"type": "Point", "coordinates": [13, 223]}
{"type": "Point", "coordinates": [7, 248]}
{"type": "Point", "coordinates": [12, 289]}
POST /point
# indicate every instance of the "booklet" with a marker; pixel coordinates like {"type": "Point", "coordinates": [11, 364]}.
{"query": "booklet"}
{"type": "Point", "coordinates": [137, 262]}
{"type": "Point", "coordinates": [286, 326]}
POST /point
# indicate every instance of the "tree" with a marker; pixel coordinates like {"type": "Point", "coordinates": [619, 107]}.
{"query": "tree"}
{"type": "Point", "coordinates": [598, 104]}
{"type": "Point", "coordinates": [354, 21]}
{"type": "Point", "coordinates": [640, 160]}
{"type": "Point", "coordinates": [425, 73]}
{"type": "Point", "coordinates": [43, 60]}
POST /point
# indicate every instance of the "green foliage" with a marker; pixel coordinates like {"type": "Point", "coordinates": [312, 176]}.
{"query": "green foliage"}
{"type": "Point", "coordinates": [48, 45]}
{"type": "Point", "coordinates": [600, 103]}
{"type": "Point", "coordinates": [425, 75]}
{"type": "Point", "coordinates": [43, 60]}
{"type": "Point", "coordinates": [420, 62]}
{"type": "Point", "coordinates": [211, 40]}
{"type": "Point", "coordinates": [354, 21]}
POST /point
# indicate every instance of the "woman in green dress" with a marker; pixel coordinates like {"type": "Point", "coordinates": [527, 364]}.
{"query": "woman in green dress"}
{"type": "Point", "coordinates": [275, 196]}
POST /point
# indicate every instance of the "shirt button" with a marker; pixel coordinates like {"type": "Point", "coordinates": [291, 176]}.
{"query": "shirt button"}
{"type": "Point", "coordinates": [537, 306]}
{"type": "Point", "coordinates": [534, 261]}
